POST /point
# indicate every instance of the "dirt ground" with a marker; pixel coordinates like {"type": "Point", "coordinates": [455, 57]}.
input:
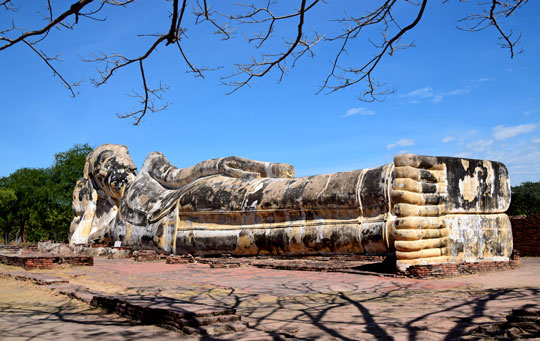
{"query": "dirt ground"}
{"type": "Point", "coordinates": [278, 304]}
{"type": "Point", "coordinates": [30, 312]}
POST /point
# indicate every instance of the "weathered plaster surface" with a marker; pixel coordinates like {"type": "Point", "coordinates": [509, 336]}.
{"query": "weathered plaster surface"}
{"type": "Point", "coordinates": [426, 209]}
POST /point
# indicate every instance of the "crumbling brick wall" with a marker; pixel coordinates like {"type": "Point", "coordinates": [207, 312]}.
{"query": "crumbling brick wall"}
{"type": "Point", "coordinates": [526, 233]}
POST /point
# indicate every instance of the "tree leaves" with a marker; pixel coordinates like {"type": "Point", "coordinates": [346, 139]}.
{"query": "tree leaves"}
{"type": "Point", "coordinates": [37, 201]}
{"type": "Point", "coordinates": [525, 199]}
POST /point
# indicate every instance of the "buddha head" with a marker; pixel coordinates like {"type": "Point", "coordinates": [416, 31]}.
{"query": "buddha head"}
{"type": "Point", "coordinates": [111, 170]}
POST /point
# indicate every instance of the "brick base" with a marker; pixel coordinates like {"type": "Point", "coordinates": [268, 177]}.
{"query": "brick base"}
{"type": "Point", "coordinates": [42, 261]}
{"type": "Point", "coordinates": [147, 256]}
{"type": "Point", "coordinates": [526, 234]}
{"type": "Point", "coordinates": [459, 269]}
{"type": "Point", "coordinates": [184, 259]}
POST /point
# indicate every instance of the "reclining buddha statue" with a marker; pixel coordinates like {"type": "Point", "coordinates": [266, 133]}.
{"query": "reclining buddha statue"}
{"type": "Point", "coordinates": [424, 209]}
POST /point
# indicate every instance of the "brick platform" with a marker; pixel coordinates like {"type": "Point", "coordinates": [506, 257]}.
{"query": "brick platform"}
{"type": "Point", "coordinates": [354, 264]}
{"type": "Point", "coordinates": [526, 233]}
{"type": "Point", "coordinates": [334, 263]}
{"type": "Point", "coordinates": [31, 261]}
{"type": "Point", "coordinates": [458, 269]}
{"type": "Point", "coordinates": [309, 305]}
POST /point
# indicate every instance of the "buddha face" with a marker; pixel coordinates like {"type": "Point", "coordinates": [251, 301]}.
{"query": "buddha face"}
{"type": "Point", "coordinates": [111, 169]}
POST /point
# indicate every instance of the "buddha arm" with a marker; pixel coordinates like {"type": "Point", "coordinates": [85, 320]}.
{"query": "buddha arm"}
{"type": "Point", "coordinates": [159, 168]}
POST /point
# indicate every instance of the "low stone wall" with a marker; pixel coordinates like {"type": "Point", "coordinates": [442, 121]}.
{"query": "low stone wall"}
{"type": "Point", "coordinates": [203, 320]}
{"type": "Point", "coordinates": [526, 233]}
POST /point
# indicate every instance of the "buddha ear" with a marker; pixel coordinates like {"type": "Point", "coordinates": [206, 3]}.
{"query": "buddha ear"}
{"type": "Point", "coordinates": [83, 194]}
{"type": "Point", "coordinates": [83, 204]}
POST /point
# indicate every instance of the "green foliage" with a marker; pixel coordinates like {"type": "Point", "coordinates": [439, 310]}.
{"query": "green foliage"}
{"type": "Point", "coordinates": [67, 169]}
{"type": "Point", "coordinates": [36, 202]}
{"type": "Point", "coordinates": [525, 199]}
{"type": "Point", "coordinates": [7, 205]}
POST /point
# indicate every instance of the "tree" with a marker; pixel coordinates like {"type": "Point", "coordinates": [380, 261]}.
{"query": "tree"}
{"type": "Point", "coordinates": [7, 204]}
{"type": "Point", "coordinates": [258, 23]}
{"type": "Point", "coordinates": [30, 188]}
{"type": "Point", "coordinates": [525, 199]}
{"type": "Point", "coordinates": [35, 203]}
{"type": "Point", "coordinates": [66, 170]}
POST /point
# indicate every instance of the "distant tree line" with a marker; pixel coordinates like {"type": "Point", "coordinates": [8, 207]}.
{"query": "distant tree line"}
{"type": "Point", "coordinates": [525, 199]}
{"type": "Point", "coordinates": [35, 203]}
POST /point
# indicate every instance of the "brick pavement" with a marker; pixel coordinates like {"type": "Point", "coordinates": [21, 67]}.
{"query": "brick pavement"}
{"type": "Point", "coordinates": [325, 305]}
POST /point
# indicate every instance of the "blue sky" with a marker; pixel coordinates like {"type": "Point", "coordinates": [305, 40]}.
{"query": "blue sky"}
{"type": "Point", "coordinates": [458, 94]}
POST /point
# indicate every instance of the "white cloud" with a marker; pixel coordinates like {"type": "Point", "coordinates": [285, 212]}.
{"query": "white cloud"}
{"type": "Point", "coordinates": [401, 143]}
{"type": "Point", "coordinates": [527, 112]}
{"type": "Point", "coordinates": [485, 79]}
{"type": "Point", "coordinates": [359, 111]}
{"type": "Point", "coordinates": [480, 145]}
{"type": "Point", "coordinates": [456, 92]}
{"type": "Point", "coordinates": [521, 156]}
{"type": "Point", "coordinates": [503, 133]}
{"type": "Point", "coordinates": [448, 139]}
{"type": "Point", "coordinates": [437, 99]}
{"type": "Point", "coordinates": [522, 160]}
{"type": "Point", "coordinates": [436, 96]}
{"type": "Point", "coordinates": [426, 92]}
{"type": "Point", "coordinates": [464, 138]}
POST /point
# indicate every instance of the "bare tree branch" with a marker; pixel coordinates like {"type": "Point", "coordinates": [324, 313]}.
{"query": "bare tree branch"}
{"type": "Point", "coordinates": [147, 101]}
{"type": "Point", "coordinates": [259, 68]}
{"type": "Point", "coordinates": [47, 61]}
{"type": "Point", "coordinates": [8, 5]}
{"type": "Point", "coordinates": [351, 76]}
{"type": "Point", "coordinates": [265, 21]}
{"type": "Point", "coordinates": [204, 14]}
{"type": "Point", "coordinates": [119, 61]}
{"type": "Point", "coordinates": [73, 10]}
{"type": "Point", "coordinates": [490, 16]}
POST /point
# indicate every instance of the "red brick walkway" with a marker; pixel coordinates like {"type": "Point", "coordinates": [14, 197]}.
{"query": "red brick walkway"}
{"type": "Point", "coordinates": [319, 305]}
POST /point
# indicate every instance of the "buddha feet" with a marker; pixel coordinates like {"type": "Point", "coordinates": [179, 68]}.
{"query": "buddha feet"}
{"type": "Point", "coordinates": [449, 210]}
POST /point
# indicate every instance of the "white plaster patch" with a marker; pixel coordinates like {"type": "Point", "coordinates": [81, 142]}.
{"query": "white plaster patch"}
{"type": "Point", "coordinates": [268, 169]}
{"type": "Point", "coordinates": [259, 186]}
{"type": "Point", "coordinates": [490, 177]}
{"type": "Point", "coordinates": [320, 233]}
{"type": "Point", "coordinates": [469, 187]}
